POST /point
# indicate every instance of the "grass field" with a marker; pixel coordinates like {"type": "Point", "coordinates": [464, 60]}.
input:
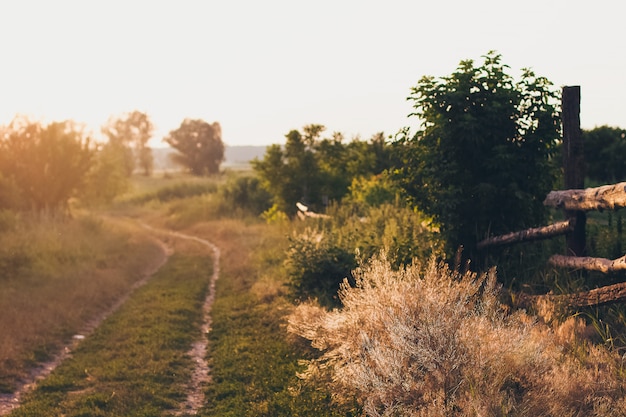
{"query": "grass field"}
{"type": "Point", "coordinates": [254, 365]}
{"type": "Point", "coordinates": [136, 363]}
{"type": "Point", "coordinates": [57, 275]}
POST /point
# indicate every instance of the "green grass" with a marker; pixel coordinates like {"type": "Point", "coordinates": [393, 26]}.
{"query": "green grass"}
{"type": "Point", "coordinates": [254, 364]}
{"type": "Point", "coordinates": [135, 363]}
{"type": "Point", "coordinates": [55, 275]}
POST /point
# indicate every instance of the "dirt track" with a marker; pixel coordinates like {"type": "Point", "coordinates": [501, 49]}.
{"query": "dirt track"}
{"type": "Point", "coordinates": [200, 374]}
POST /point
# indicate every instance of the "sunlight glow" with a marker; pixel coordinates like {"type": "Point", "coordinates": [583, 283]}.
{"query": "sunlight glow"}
{"type": "Point", "coordinates": [261, 69]}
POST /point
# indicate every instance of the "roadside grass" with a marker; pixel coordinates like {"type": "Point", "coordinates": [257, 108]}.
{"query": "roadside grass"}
{"type": "Point", "coordinates": [136, 362]}
{"type": "Point", "coordinates": [163, 187]}
{"type": "Point", "coordinates": [57, 274]}
{"type": "Point", "coordinates": [254, 364]}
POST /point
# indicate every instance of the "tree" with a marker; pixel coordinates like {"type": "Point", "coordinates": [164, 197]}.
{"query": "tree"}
{"type": "Point", "coordinates": [47, 164]}
{"type": "Point", "coordinates": [107, 178]}
{"type": "Point", "coordinates": [200, 146]}
{"type": "Point", "coordinates": [605, 154]}
{"type": "Point", "coordinates": [132, 131]}
{"type": "Point", "coordinates": [314, 171]}
{"type": "Point", "coordinates": [291, 174]}
{"type": "Point", "coordinates": [481, 163]}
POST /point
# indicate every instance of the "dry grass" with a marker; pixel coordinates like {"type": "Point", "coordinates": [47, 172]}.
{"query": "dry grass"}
{"type": "Point", "coordinates": [433, 342]}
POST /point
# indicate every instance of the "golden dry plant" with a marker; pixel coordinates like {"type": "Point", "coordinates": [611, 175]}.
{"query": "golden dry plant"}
{"type": "Point", "coordinates": [430, 341]}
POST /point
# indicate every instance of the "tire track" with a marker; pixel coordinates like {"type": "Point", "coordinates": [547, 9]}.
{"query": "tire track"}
{"type": "Point", "coordinates": [11, 401]}
{"type": "Point", "coordinates": [201, 375]}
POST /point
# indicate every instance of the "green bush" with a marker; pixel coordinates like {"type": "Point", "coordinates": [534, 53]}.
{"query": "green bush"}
{"type": "Point", "coordinates": [317, 266]}
{"type": "Point", "coordinates": [245, 193]}
{"type": "Point", "coordinates": [322, 255]}
{"type": "Point", "coordinates": [373, 191]}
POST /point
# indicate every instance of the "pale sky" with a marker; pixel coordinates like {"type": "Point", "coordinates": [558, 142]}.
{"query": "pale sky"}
{"type": "Point", "coordinates": [263, 68]}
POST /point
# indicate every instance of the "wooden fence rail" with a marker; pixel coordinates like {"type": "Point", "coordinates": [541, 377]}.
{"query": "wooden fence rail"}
{"type": "Point", "coordinates": [607, 197]}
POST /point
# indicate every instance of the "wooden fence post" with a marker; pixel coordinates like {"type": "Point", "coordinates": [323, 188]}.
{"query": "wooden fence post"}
{"type": "Point", "coordinates": [573, 166]}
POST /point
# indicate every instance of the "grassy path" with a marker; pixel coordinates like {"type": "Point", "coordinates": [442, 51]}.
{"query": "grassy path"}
{"type": "Point", "coordinates": [136, 362]}
{"type": "Point", "coordinates": [142, 360]}
{"type": "Point", "coordinates": [200, 375]}
{"type": "Point", "coordinates": [72, 274]}
{"type": "Point", "coordinates": [253, 364]}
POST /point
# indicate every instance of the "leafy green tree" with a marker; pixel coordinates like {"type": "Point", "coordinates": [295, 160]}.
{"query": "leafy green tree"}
{"type": "Point", "coordinates": [481, 163]}
{"type": "Point", "coordinates": [292, 174]}
{"type": "Point", "coordinates": [200, 146]}
{"type": "Point", "coordinates": [314, 170]}
{"type": "Point", "coordinates": [132, 131]}
{"type": "Point", "coordinates": [605, 154]}
{"type": "Point", "coordinates": [47, 164]}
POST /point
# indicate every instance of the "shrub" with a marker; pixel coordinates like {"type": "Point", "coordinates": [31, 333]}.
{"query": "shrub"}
{"type": "Point", "coordinates": [274, 215]}
{"type": "Point", "coordinates": [324, 254]}
{"type": "Point", "coordinates": [373, 191]}
{"type": "Point", "coordinates": [316, 266]}
{"type": "Point", "coordinates": [434, 342]}
{"type": "Point", "coordinates": [245, 193]}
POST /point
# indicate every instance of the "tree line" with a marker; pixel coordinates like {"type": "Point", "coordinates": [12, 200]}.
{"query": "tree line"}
{"type": "Point", "coordinates": [43, 166]}
{"type": "Point", "coordinates": [484, 153]}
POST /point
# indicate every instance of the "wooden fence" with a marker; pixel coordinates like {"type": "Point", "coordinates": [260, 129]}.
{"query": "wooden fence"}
{"type": "Point", "coordinates": [575, 201]}
{"type": "Point", "coordinates": [607, 197]}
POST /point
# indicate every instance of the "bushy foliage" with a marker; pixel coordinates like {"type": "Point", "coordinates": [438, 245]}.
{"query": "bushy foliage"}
{"type": "Point", "coordinates": [373, 191]}
{"type": "Point", "coordinates": [107, 177]}
{"type": "Point", "coordinates": [327, 250]}
{"type": "Point", "coordinates": [274, 215]}
{"type": "Point", "coordinates": [42, 167]}
{"type": "Point", "coordinates": [317, 266]}
{"type": "Point", "coordinates": [605, 154]}
{"type": "Point", "coordinates": [482, 161]}
{"type": "Point", "coordinates": [435, 342]}
{"type": "Point", "coordinates": [315, 171]}
{"type": "Point", "coordinates": [246, 194]}
{"type": "Point", "coordinates": [128, 132]}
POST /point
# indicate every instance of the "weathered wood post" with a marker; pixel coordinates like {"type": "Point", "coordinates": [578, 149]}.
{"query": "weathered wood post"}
{"type": "Point", "coordinates": [573, 165]}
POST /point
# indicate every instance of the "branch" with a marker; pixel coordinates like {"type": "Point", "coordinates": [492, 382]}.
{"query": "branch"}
{"type": "Point", "coordinates": [536, 233]}
{"type": "Point", "coordinates": [589, 264]}
{"type": "Point", "coordinates": [606, 197]}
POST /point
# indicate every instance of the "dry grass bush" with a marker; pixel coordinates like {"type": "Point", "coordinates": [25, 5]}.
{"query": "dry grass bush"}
{"type": "Point", "coordinates": [434, 342]}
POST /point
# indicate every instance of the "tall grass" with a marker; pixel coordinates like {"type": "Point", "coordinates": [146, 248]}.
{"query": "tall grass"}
{"type": "Point", "coordinates": [55, 275]}
{"type": "Point", "coordinates": [434, 342]}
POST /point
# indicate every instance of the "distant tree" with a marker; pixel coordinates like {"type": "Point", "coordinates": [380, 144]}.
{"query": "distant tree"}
{"type": "Point", "coordinates": [200, 146]}
{"type": "Point", "coordinates": [47, 164]}
{"type": "Point", "coordinates": [481, 162]}
{"type": "Point", "coordinates": [107, 178]}
{"type": "Point", "coordinates": [129, 135]}
{"type": "Point", "coordinates": [605, 154]}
